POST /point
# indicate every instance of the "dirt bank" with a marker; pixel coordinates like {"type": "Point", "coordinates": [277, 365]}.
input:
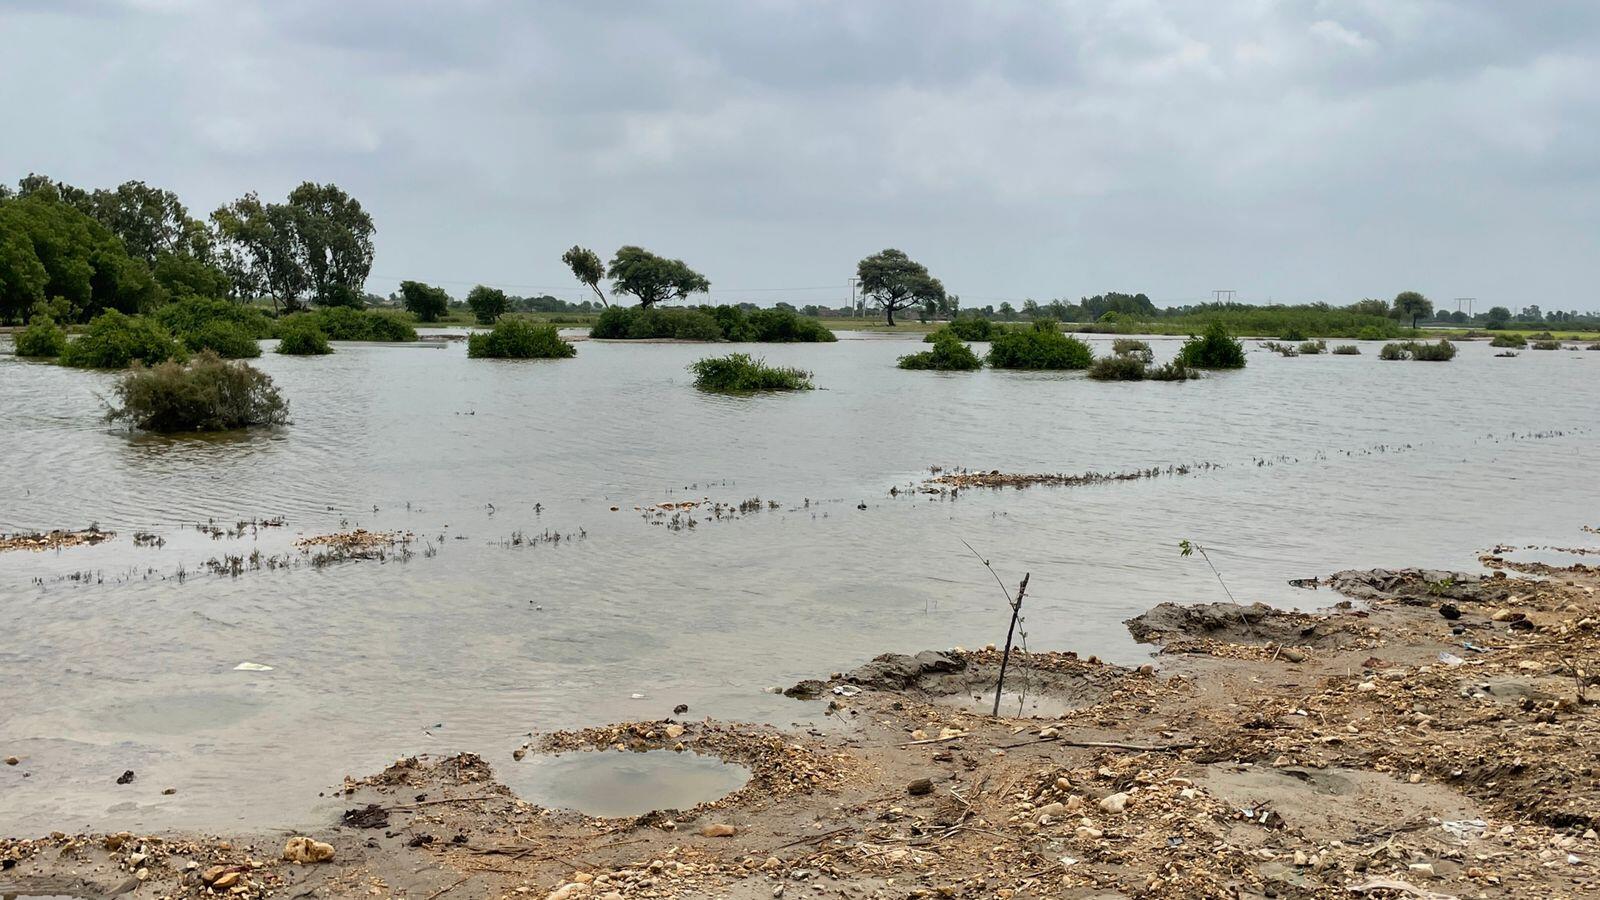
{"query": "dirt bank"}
{"type": "Point", "coordinates": [1426, 736]}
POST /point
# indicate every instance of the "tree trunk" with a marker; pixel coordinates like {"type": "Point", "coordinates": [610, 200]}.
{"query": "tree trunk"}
{"type": "Point", "coordinates": [889, 308]}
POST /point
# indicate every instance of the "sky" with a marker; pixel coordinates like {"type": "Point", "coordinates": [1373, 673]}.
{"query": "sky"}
{"type": "Point", "coordinates": [1290, 151]}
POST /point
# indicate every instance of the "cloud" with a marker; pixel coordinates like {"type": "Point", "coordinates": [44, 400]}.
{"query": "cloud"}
{"type": "Point", "coordinates": [1319, 149]}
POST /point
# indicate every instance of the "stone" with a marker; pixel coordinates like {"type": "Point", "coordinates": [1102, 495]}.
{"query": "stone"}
{"type": "Point", "coordinates": [1293, 655]}
{"type": "Point", "coordinates": [1115, 803]}
{"type": "Point", "coordinates": [227, 880]}
{"type": "Point", "coordinates": [304, 850]}
{"type": "Point", "coordinates": [1050, 809]}
{"type": "Point", "coordinates": [718, 829]}
{"type": "Point", "coordinates": [568, 891]}
{"type": "Point", "coordinates": [675, 731]}
{"type": "Point", "coordinates": [920, 787]}
{"type": "Point", "coordinates": [12, 760]}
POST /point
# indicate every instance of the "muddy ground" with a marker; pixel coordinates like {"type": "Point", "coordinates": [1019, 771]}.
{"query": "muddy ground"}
{"type": "Point", "coordinates": [1427, 736]}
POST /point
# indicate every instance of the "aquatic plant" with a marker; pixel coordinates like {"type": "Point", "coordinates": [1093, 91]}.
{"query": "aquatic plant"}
{"type": "Point", "coordinates": [42, 338]}
{"type": "Point", "coordinates": [1134, 348]}
{"type": "Point", "coordinates": [519, 339]}
{"type": "Point", "coordinates": [1346, 350]}
{"type": "Point", "coordinates": [1044, 346]}
{"type": "Point", "coordinates": [738, 373]}
{"type": "Point", "coordinates": [302, 338]}
{"type": "Point", "coordinates": [1215, 349]}
{"type": "Point", "coordinates": [1174, 370]}
{"type": "Point", "coordinates": [1280, 349]}
{"type": "Point", "coordinates": [780, 326]}
{"type": "Point", "coordinates": [228, 340]}
{"type": "Point", "coordinates": [113, 340]}
{"type": "Point", "coordinates": [345, 323]}
{"type": "Point", "coordinates": [191, 314]}
{"type": "Point", "coordinates": [1508, 339]}
{"type": "Point", "coordinates": [1312, 348]}
{"type": "Point", "coordinates": [1419, 350]}
{"type": "Point", "coordinates": [949, 354]}
{"type": "Point", "coordinates": [1546, 345]}
{"type": "Point", "coordinates": [208, 394]}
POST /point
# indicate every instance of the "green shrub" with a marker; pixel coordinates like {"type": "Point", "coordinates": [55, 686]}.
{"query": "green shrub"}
{"type": "Point", "coordinates": [209, 394]}
{"type": "Point", "coordinates": [1131, 347]}
{"type": "Point", "coordinates": [1043, 346]}
{"type": "Point", "coordinates": [639, 324]}
{"type": "Point", "coordinates": [344, 323]}
{"type": "Point", "coordinates": [227, 339]}
{"type": "Point", "coordinates": [1347, 350]}
{"type": "Point", "coordinates": [737, 373]}
{"type": "Point", "coordinates": [975, 328]}
{"type": "Point", "coordinates": [1508, 339]}
{"type": "Point", "coordinates": [1312, 348]}
{"type": "Point", "coordinates": [302, 338]}
{"type": "Point", "coordinates": [1541, 336]}
{"type": "Point", "coordinates": [1215, 349]}
{"type": "Point", "coordinates": [519, 339]}
{"type": "Point", "coordinates": [191, 314]}
{"type": "Point", "coordinates": [1547, 345]}
{"type": "Point", "coordinates": [1294, 334]}
{"type": "Point", "coordinates": [780, 326]}
{"type": "Point", "coordinates": [1370, 333]}
{"type": "Point", "coordinates": [1444, 351]}
{"type": "Point", "coordinates": [734, 323]}
{"type": "Point", "coordinates": [1395, 351]}
{"type": "Point", "coordinates": [949, 354]}
{"type": "Point", "coordinates": [1171, 371]}
{"type": "Point", "coordinates": [1118, 368]}
{"type": "Point", "coordinates": [42, 338]}
{"type": "Point", "coordinates": [113, 341]}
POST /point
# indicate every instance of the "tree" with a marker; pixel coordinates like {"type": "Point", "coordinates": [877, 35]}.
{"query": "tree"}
{"type": "Point", "coordinates": [426, 302]}
{"type": "Point", "coordinates": [259, 250]}
{"type": "Point", "coordinates": [587, 268]}
{"type": "Point", "coordinates": [1007, 311]}
{"type": "Point", "coordinates": [653, 279]}
{"type": "Point", "coordinates": [152, 222]}
{"type": "Point", "coordinates": [1370, 307]}
{"type": "Point", "coordinates": [488, 304]}
{"type": "Point", "coordinates": [333, 237]}
{"type": "Point", "coordinates": [50, 248]}
{"type": "Point", "coordinates": [894, 282]}
{"type": "Point", "coordinates": [1413, 304]}
{"type": "Point", "coordinates": [1498, 316]}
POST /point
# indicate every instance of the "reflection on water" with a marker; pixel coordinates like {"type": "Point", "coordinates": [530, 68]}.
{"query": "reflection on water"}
{"type": "Point", "coordinates": [623, 783]}
{"type": "Point", "coordinates": [1326, 462]}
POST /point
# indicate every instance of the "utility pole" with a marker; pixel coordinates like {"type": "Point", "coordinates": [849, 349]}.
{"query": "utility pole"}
{"type": "Point", "coordinates": [1223, 296]}
{"type": "Point", "coordinates": [853, 282]}
{"type": "Point", "coordinates": [1469, 301]}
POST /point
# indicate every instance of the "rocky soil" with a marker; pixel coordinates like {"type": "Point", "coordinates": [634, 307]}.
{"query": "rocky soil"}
{"type": "Point", "coordinates": [1430, 735]}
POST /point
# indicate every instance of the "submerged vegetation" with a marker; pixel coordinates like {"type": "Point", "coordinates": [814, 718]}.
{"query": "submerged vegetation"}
{"type": "Point", "coordinates": [1443, 351]}
{"type": "Point", "coordinates": [1215, 349]}
{"type": "Point", "coordinates": [1546, 345]}
{"type": "Point", "coordinates": [208, 394]}
{"type": "Point", "coordinates": [738, 373]}
{"type": "Point", "coordinates": [114, 341]}
{"type": "Point", "coordinates": [344, 323]}
{"type": "Point", "coordinates": [1043, 346]}
{"type": "Point", "coordinates": [1508, 339]}
{"type": "Point", "coordinates": [519, 339]}
{"type": "Point", "coordinates": [948, 354]}
{"type": "Point", "coordinates": [1346, 350]}
{"type": "Point", "coordinates": [302, 338]}
{"type": "Point", "coordinates": [1133, 368]}
{"type": "Point", "coordinates": [1134, 348]}
{"type": "Point", "coordinates": [43, 338]}
{"type": "Point", "coordinates": [710, 323]}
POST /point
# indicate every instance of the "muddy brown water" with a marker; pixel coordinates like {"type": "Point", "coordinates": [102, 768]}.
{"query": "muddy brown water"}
{"type": "Point", "coordinates": [109, 661]}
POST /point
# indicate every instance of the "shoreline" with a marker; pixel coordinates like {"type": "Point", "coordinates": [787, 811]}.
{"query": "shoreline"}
{"type": "Point", "coordinates": [1429, 734]}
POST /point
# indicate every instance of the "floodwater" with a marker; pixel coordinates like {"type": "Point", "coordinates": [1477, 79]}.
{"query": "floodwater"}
{"type": "Point", "coordinates": [623, 783]}
{"type": "Point", "coordinates": [122, 657]}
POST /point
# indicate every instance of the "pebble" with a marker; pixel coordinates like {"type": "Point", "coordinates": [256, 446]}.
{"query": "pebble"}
{"type": "Point", "coordinates": [718, 829]}
{"type": "Point", "coordinates": [675, 731]}
{"type": "Point", "coordinates": [307, 850]}
{"type": "Point", "coordinates": [919, 787]}
{"type": "Point", "coordinates": [1293, 655]}
{"type": "Point", "coordinates": [1115, 803]}
{"type": "Point", "coordinates": [12, 760]}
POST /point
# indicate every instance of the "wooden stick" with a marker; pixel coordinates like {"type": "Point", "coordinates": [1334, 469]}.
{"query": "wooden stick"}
{"type": "Point", "coordinates": [450, 887]}
{"type": "Point", "coordinates": [445, 800]}
{"type": "Point", "coordinates": [1104, 745]}
{"type": "Point", "coordinates": [1005, 660]}
{"type": "Point", "coordinates": [813, 839]}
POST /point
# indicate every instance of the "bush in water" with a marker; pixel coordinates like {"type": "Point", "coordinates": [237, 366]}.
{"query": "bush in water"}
{"type": "Point", "coordinates": [209, 394]}
{"type": "Point", "coordinates": [302, 338]}
{"type": "Point", "coordinates": [194, 313]}
{"type": "Point", "coordinates": [42, 338]}
{"type": "Point", "coordinates": [948, 355]}
{"type": "Point", "coordinates": [1216, 349]}
{"type": "Point", "coordinates": [227, 339]}
{"type": "Point", "coordinates": [113, 340]}
{"type": "Point", "coordinates": [737, 373]}
{"type": "Point", "coordinates": [1043, 346]}
{"type": "Point", "coordinates": [1347, 350]}
{"type": "Point", "coordinates": [1134, 348]}
{"type": "Point", "coordinates": [519, 339]}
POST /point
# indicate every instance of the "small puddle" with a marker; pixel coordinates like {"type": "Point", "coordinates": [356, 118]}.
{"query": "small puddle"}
{"type": "Point", "coordinates": [623, 783]}
{"type": "Point", "coordinates": [1016, 704]}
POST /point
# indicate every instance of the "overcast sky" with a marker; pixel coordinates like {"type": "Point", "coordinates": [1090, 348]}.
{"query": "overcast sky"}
{"type": "Point", "coordinates": [1289, 150]}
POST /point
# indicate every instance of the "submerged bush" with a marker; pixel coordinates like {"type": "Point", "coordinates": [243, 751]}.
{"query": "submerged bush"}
{"type": "Point", "coordinates": [1312, 348]}
{"type": "Point", "coordinates": [42, 338]}
{"type": "Point", "coordinates": [949, 354]}
{"type": "Point", "coordinates": [1541, 336]}
{"type": "Point", "coordinates": [1118, 368]}
{"type": "Point", "coordinates": [1171, 371]}
{"type": "Point", "coordinates": [737, 373]}
{"type": "Point", "coordinates": [228, 340]}
{"type": "Point", "coordinates": [975, 328]}
{"type": "Point", "coordinates": [1508, 340]}
{"type": "Point", "coordinates": [192, 314]}
{"type": "Point", "coordinates": [303, 338]}
{"type": "Point", "coordinates": [1280, 349]}
{"type": "Point", "coordinates": [1547, 345]}
{"type": "Point", "coordinates": [1216, 349]}
{"type": "Point", "coordinates": [1347, 350]}
{"type": "Point", "coordinates": [346, 323]}
{"type": "Point", "coordinates": [519, 339]}
{"type": "Point", "coordinates": [1043, 346]}
{"type": "Point", "coordinates": [1294, 334]}
{"type": "Point", "coordinates": [1443, 351]}
{"type": "Point", "coordinates": [1134, 348]}
{"type": "Point", "coordinates": [209, 394]}
{"type": "Point", "coordinates": [780, 326]}
{"type": "Point", "coordinates": [113, 341]}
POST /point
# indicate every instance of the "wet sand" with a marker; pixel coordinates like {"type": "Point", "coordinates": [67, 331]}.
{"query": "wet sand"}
{"type": "Point", "coordinates": [1429, 735]}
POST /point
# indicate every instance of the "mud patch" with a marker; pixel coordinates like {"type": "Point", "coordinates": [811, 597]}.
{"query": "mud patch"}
{"type": "Point", "coordinates": [612, 784]}
{"type": "Point", "coordinates": [1020, 704]}
{"type": "Point", "coordinates": [1256, 624]}
{"type": "Point", "coordinates": [1347, 805]}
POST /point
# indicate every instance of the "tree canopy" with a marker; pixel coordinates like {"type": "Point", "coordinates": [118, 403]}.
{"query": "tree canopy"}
{"type": "Point", "coordinates": [488, 304]}
{"type": "Point", "coordinates": [426, 302]}
{"type": "Point", "coordinates": [51, 249]}
{"type": "Point", "coordinates": [894, 281]}
{"type": "Point", "coordinates": [653, 279]}
{"type": "Point", "coordinates": [587, 268]}
{"type": "Point", "coordinates": [1412, 304]}
{"type": "Point", "coordinates": [317, 245]}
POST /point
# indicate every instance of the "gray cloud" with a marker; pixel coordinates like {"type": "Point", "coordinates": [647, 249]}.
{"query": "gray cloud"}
{"type": "Point", "coordinates": [1320, 149]}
